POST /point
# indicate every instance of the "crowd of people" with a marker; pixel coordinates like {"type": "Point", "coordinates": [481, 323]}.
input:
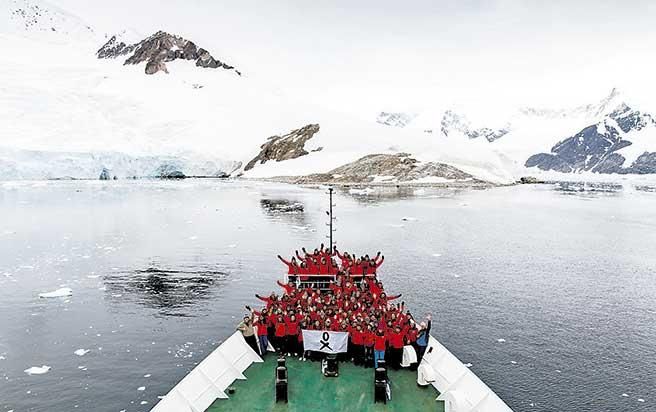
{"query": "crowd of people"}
{"type": "Point", "coordinates": [323, 261]}
{"type": "Point", "coordinates": [378, 327]}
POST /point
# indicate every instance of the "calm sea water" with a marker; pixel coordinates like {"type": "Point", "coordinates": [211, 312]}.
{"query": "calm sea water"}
{"type": "Point", "coordinates": [548, 291]}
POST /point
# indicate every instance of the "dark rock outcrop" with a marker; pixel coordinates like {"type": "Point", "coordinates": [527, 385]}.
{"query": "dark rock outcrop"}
{"type": "Point", "coordinates": [158, 49]}
{"type": "Point", "coordinates": [396, 168]}
{"type": "Point", "coordinates": [169, 171]}
{"type": "Point", "coordinates": [529, 180]}
{"type": "Point", "coordinates": [595, 148]}
{"type": "Point", "coordinates": [286, 147]}
{"type": "Point", "coordinates": [104, 175]}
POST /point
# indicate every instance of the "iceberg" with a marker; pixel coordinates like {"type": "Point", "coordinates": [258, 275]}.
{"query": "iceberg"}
{"type": "Point", "coordinates": [61, 292]}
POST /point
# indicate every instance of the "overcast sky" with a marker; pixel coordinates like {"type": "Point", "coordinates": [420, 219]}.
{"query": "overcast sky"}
{"type": "Point", "coordinates": [404, 55]}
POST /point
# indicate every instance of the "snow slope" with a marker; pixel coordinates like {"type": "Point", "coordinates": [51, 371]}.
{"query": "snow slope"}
{"type": "Point", "coordinates": [68, 114]}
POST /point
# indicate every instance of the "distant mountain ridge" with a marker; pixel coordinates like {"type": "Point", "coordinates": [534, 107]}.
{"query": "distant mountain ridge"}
{"type": "Point", "coordinates": [453, 122]}
{"type": "Point", "coordinates": [395, 119]}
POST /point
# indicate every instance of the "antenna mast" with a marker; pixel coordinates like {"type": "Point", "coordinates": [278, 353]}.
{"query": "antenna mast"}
{"type": "Point", "coordinates": [330, 219]}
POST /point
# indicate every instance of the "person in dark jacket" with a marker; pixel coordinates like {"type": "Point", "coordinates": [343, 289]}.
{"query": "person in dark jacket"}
{"type": "Point", "coordinates": [422, 338]}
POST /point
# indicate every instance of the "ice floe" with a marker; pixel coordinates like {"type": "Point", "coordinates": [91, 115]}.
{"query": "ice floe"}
{"type": "Point", "coordinates": [61, 292]}
{"type": "Point", "coordinates": [366, 191]}
{"type": "Point", "coordinates": [37, 370]}
{"type": "Point", "coordinates": [469, 365]}
{"type": "Point", "coordinates": [437, 254]}
{"type": "Point", "coordinates": [81, 352]}
{"type": "Point", "coordinates": [141, 388]}
{"type": "Point", "coordinates": [501, 340]}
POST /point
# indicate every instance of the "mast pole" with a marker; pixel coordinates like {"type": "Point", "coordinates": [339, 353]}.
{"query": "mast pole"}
{"type": "Point", "coordinates": [330, 192]}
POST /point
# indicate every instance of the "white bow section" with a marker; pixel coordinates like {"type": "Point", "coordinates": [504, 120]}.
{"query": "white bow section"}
{"type": "Point", "coordinates": [208, 381]}
{"type": "Point", "coordinates": [460, 389]}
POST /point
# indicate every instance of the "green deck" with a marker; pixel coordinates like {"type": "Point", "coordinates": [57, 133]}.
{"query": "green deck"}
{"type": "Point", "coordinates": [309, 390]}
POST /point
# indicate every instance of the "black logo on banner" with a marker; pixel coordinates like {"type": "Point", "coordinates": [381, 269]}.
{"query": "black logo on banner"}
{"type": "Point", "coordinates": [325, 341]}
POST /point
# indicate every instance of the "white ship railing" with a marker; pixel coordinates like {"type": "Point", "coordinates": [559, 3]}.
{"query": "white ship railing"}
{"type": "Point", "coordinates": [460, 389]}
{"type": "Point", "coordinates": [208, 381]}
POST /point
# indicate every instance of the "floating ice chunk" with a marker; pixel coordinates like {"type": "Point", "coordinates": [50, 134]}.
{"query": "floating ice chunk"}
{"type": "Point", "coordinates": [141, 388]}
{"type": "Point", "coordinates": [640, 400]}
{"type": "Point", "coordinates": [501, 340]}
{"type": "Point", "coordinates": [513, 362]}
{"type": "Point", "coordinates": [626, 395]}
{"type": "Point", "coordinates": [81, 352]}
{"type": "Point", "coordinates": [147, 375]}
{"type": "Point", "coordinates": [456, 276]}
{"type": "Point", "coordinates": [37, 370]}
{"type": "Point", "coordinates": [61, 292]}
{"type": "Point", "coordinates": [365, 191]}
{"type": "Point", "coordinates": [144, 402]}
{"type": "Point", "coordinates": [409, 219]}
{"type": "Point", "coordinates": [2, 357]}
{"type": "Point", "coordinates": [469, 365]}
{"type": "Point", "coordinates": [437, 254]}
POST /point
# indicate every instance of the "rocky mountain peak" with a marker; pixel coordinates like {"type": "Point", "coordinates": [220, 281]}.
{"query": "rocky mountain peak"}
{"type": "Point", "coordinates": [158, 49]}
{"type": "Point", "coordinates": [286, 147]}
{"type": "Point", "coordinates": [596, 147]}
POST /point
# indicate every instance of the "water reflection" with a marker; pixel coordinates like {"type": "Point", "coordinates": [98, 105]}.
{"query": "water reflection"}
{"type": "Point", "coordinates": [646, 188]}
{"type": "Point", "coordinates": [367, 195]}
{"type": "Point", "coordinates": [285, 210]}
{"type": "Point", "coordinates": [588, 189]}
{"type": "Point", "coordinates": [167, 290]}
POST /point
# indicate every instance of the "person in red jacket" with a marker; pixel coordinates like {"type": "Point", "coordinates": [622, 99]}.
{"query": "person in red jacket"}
{"type": "Point", "coordinates": [380, 344]}
{"type": "Point", "coordinates": [292, 266]}
{"type": "Point", "coordinates": [262, 332]}
{"type": "Point", "coordinates": [357, 341]}
{"type": "Point", "coordinates": [279, 335]}
{"type": "Point", "coordinates": [396, 341]}
{"type": "Point", "coordinates": [291, 335]}
{"type": "Point", "coordinates": [289, 287]}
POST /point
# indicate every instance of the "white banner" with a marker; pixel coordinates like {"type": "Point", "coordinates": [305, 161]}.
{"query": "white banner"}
{"type": "Point", "coordinates": [325, 341]}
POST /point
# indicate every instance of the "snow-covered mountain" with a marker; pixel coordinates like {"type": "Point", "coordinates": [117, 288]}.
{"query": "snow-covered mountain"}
{"type": "Point", "coordinates": [76, 103]}
{"type": "Point", "coordinates": [72, 114]}
{"type": "Point", "coordinates": [396, 119]}
{"type": "Point", "coordinates": [619, 143]}
{"type": "Point", "coordinates": [607, 136]}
